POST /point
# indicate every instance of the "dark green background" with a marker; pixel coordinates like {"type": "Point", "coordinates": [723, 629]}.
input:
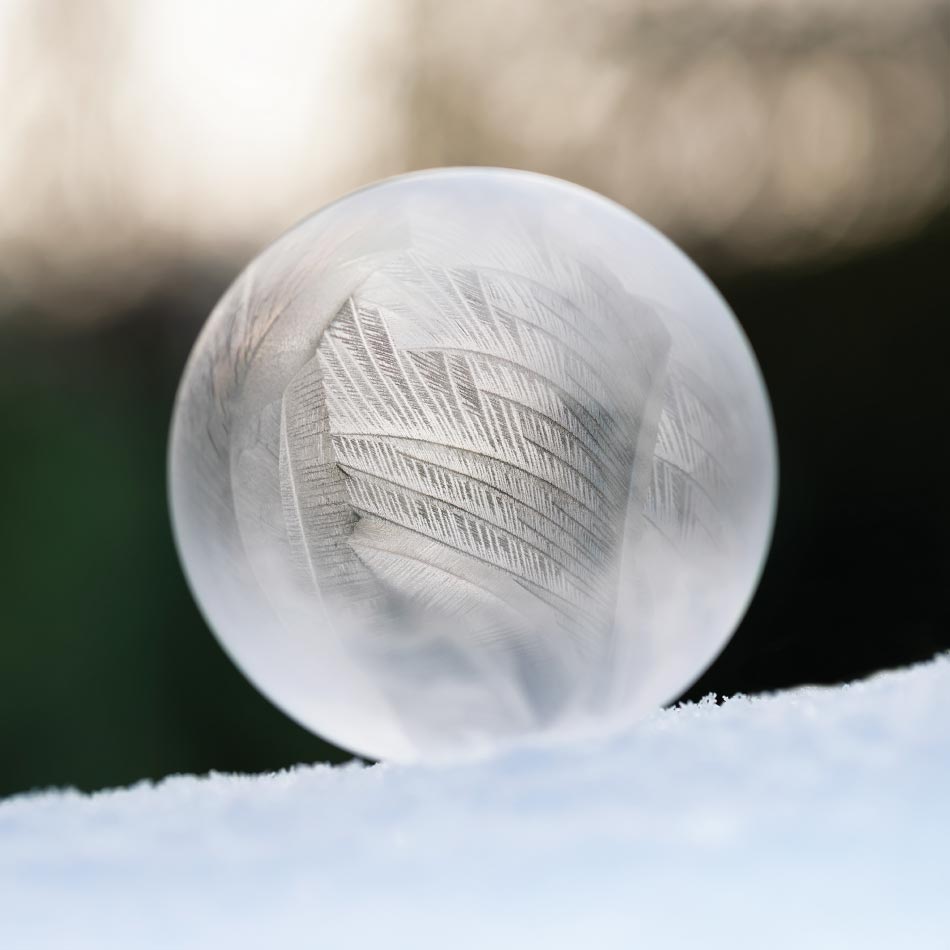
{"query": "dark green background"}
{"type": "Point", "coordinates": [108, 674]}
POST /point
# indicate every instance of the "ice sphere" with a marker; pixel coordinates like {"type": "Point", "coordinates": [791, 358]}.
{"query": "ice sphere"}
{"type": "Point", "coordinates": [471, 457]}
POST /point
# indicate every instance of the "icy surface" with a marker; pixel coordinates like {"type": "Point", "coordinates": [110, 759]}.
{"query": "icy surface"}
{"type": "Point", "coordinates": [815, 818]}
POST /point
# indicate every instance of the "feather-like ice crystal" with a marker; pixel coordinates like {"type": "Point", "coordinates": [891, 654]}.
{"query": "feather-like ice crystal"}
{"type": "Point", "coordinates": [470, 457]}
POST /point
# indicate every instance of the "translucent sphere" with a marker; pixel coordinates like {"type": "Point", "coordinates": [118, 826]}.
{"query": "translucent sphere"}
{"type": "Point", "coordinates": [471, 457]}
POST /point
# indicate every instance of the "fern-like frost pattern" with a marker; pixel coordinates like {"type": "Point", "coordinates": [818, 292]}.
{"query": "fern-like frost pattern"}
{"type": "Point", "coordinates": [463, 443]}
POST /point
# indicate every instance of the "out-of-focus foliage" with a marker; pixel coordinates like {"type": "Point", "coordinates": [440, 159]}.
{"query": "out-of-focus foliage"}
{"type": "Point", "coordinates": [753, 131]}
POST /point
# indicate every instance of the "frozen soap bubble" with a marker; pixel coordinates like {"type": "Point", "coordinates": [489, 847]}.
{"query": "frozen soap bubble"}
{"type": "Point", "coordinates": [471, 457]}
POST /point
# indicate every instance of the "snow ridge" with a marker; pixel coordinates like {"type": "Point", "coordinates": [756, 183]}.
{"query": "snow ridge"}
{"type": "Point", "coordinates": [815, 817]}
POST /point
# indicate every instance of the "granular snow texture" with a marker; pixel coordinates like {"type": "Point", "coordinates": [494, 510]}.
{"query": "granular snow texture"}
{"type": "Point", "coordinates": [818, 817]}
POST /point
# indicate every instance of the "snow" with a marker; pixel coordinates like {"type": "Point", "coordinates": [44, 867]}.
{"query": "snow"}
{"type": "Point", "coordinates": [815, 817]}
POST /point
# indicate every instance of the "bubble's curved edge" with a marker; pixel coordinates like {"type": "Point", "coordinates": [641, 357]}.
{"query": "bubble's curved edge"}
{"type": "Point", "coordinates": [772, 488]}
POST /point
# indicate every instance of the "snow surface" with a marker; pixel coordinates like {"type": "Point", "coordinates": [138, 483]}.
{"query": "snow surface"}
{"type": "Point", "coordinates": [816, 817]}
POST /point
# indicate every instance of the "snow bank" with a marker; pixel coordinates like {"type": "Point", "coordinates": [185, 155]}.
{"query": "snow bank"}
{"type": "Point", "coordinates": [817, 817]}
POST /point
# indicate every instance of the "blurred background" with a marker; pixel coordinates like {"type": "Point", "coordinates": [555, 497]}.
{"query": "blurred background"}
{"type": "Point", "coordinates": [799, 150]}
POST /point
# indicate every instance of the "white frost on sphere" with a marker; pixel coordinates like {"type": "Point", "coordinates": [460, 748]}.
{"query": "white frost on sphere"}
{"type": "Point", "coordinates": [470, 457]}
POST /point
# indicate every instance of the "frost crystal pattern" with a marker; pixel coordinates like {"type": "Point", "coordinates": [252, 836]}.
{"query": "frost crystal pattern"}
{"type": "Point", "coordinates": [445, 475]}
